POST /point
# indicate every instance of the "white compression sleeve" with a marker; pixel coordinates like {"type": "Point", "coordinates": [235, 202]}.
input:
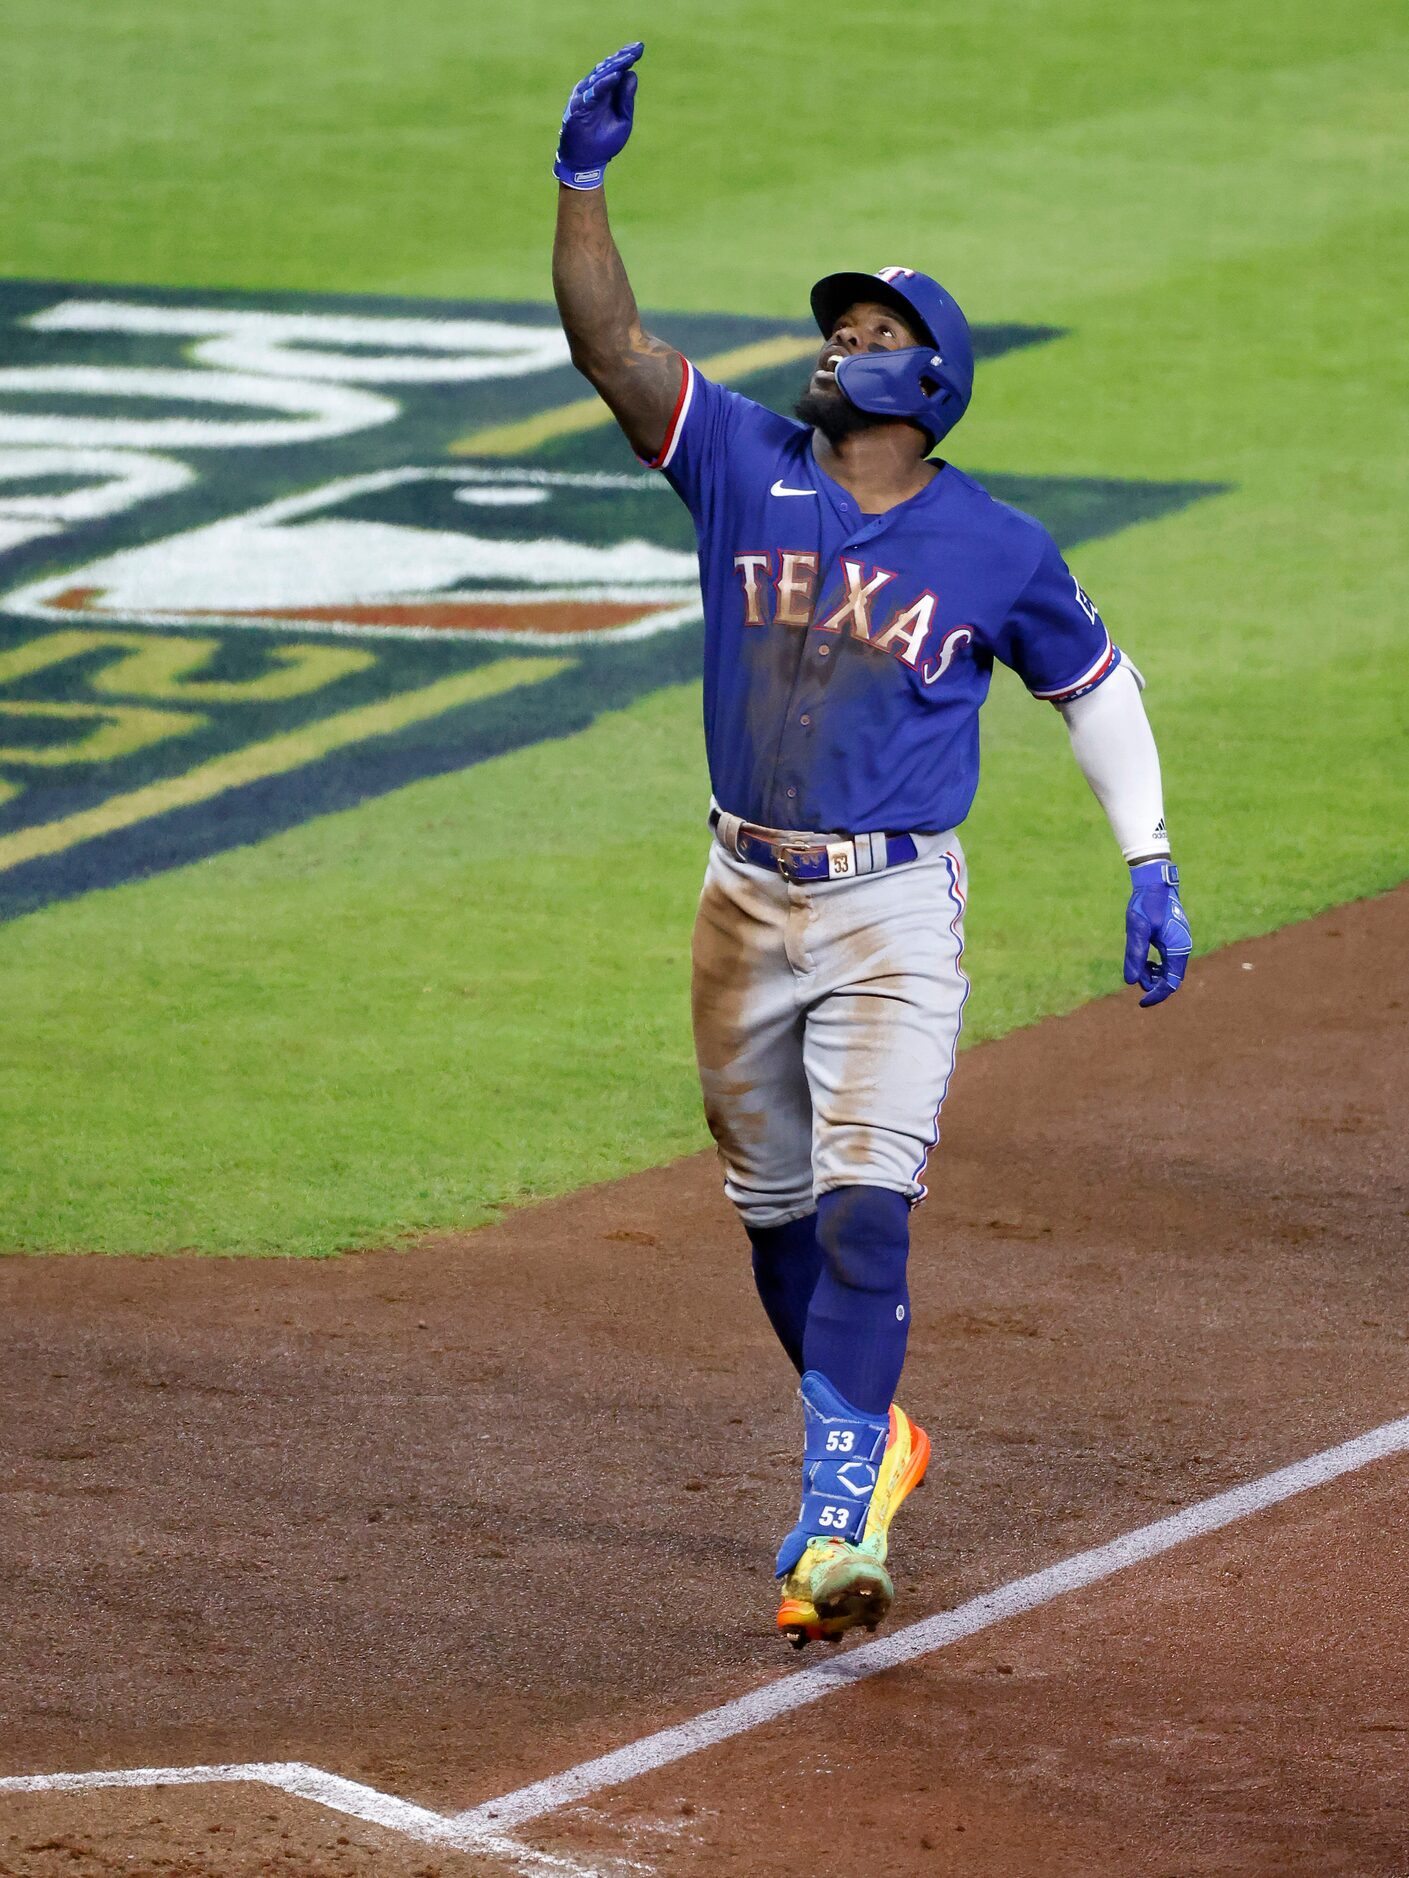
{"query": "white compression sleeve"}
{"type": "Point", "coordinates": [1115, 749]}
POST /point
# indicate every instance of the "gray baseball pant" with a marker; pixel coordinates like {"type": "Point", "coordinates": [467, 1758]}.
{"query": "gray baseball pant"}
{"type": "Point", "coordinates": [826, 1018]}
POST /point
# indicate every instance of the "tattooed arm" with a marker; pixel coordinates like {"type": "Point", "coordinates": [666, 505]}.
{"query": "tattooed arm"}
{"type": "Point", "coordinates": [637, 375]}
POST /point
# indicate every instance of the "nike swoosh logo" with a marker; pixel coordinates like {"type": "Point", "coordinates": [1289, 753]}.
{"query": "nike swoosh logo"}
{"type": "Point", "coordinates": [780, 488]}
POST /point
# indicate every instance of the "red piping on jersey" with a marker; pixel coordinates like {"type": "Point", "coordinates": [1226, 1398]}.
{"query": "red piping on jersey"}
{"type": "Point", "coordinates": [667, 449]}
{"type": "Point", "coordinates": [1093, 677]}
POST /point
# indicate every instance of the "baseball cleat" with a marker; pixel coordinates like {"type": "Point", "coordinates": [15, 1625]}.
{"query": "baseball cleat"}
{"type": "Point", "coordinates": [832, 1588]}
{"type": "Point", "coordinates": [836, 1584]}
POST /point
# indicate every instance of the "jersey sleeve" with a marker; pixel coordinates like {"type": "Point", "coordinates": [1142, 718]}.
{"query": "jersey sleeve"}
{"type": "Point", "coordinates": [1053, 637]}
{"type": "Point", "coordinates": [710, 428]}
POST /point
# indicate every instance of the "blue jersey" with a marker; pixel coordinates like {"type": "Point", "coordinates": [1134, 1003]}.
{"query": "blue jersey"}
{"type": "Point", "coordinates": [847, 655]}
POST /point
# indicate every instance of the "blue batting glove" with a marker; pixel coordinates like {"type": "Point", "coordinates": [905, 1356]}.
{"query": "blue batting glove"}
{"type": "Point", "coordinates": [597, 121]}
{"type": "Point", "coordinates": [1155, 920]}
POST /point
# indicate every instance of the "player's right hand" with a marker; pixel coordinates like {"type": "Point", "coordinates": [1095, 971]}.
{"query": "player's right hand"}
{"type": "Point", "coordinates": [597, 121]}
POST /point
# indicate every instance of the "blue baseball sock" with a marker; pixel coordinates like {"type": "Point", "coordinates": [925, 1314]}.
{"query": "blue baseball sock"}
{"type": "Point", "coordinates": [786, 1261]}
{"type": "Point", "coordinates": [859, 1317]}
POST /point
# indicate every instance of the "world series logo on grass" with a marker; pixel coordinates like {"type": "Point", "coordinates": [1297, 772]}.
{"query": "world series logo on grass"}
{"type": "Point", "coordinates": [263, 557]}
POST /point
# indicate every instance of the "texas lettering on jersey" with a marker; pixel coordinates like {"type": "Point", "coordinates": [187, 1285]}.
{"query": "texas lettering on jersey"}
{"type": "Point", "coordinates": [847, 654]}
{"type": "Point", "coordinates": [780, 590]}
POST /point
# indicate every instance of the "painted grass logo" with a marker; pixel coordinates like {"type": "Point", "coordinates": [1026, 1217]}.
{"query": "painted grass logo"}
{"type": "Point", "coordinates": [403, 551]}
{"type": "Point", "coordinates": [261, 560]}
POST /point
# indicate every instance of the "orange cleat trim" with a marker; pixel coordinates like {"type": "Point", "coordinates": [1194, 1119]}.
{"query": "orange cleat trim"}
{"type": "Point", "coordinates": [919, 1456]}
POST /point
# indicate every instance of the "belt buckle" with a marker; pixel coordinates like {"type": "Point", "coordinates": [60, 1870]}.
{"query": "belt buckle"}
{"type": "Point", "coordinates": [787, 862]}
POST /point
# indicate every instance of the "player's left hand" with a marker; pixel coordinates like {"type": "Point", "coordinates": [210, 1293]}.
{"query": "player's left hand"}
{"type": "Point", "coordinates": [1155, 922]}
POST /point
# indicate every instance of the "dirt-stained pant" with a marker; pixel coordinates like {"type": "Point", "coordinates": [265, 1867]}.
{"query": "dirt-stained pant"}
{"type": "Point", "coordinates": [826, 1018]}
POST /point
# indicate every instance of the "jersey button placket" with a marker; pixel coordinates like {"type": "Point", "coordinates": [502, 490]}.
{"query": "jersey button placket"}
{"type": "Point", "coordinates": [793, 758]}
{"type": "Point", "coordinates": [871, 526]}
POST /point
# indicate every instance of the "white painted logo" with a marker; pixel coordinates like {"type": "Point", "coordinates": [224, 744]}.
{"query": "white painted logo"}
{"type": "Point", "coordinates": [256, 380]}
{"type": "Point", "coordinates": [107, 482]}
{"type": "Point", "coordinates": [337, 348]}
{"type": "Point", "coordinates": [342, 558]}
{"type": "Point", "coordinates": [780, 488]}
{"type": "Point", "coordinates": [279, 377]}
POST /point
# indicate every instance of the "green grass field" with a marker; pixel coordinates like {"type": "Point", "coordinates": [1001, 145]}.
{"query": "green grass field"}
{"type": "Point", "coordinates": [474, 990]}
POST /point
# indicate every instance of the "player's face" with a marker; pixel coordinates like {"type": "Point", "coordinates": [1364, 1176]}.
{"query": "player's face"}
{"type": "Point", "coordinates": [866, 327]}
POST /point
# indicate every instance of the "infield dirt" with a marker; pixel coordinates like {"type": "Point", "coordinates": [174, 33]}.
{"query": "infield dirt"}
{"type": "Point", "coordinates": [450, 1518]}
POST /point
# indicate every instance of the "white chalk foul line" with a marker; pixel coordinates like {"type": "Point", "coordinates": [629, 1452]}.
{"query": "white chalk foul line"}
{"type": "Point", "coordinates": [303, 1782]}
{"type": "Point", "coordinates": [932, 1633]}
{"type": "Point", "coordinates": [483, 1828]}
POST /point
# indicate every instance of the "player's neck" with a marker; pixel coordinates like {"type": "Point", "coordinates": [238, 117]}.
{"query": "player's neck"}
{"type": "Point", "coordinates": [880, 468]}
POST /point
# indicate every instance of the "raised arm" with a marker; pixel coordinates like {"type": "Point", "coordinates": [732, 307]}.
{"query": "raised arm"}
{"type": "Point", "coordinates": [637, 375]}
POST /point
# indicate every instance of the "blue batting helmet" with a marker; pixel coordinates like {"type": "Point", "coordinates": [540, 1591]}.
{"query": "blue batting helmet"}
{"type": "Point", "coordinates": [929, 385]}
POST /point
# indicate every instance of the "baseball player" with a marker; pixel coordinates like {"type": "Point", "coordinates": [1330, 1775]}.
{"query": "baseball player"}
{"type": "Point", "coordinates": [857, 592]}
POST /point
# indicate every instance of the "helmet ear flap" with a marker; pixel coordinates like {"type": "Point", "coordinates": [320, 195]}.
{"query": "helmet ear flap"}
{"type": "Point", "coordinates": [910, 382]}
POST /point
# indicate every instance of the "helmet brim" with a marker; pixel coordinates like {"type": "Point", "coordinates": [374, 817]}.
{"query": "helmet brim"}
{"type": "Point", "coordinates": [834, 293]}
